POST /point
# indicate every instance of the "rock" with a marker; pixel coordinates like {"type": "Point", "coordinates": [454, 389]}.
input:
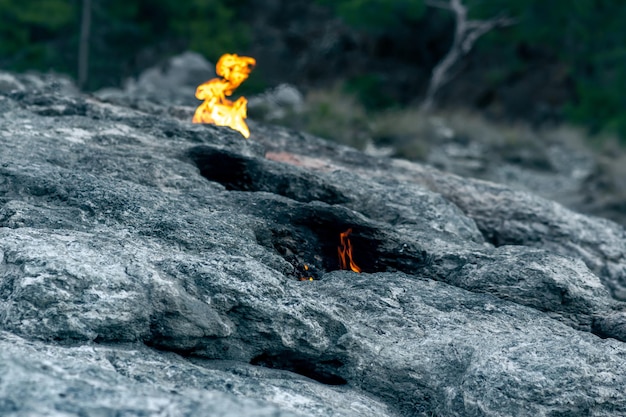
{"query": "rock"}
{"type": "Point", "coordinates": [8, 83]}
{"type": "Point", "coordinates": [135, 380]}
{"type": "Point", "coordinates": [150, 266]}
{"type": "Point", "coordinates": [556, 164]}
{"type": "Point", "coordinates": [173, 82]}
{"type": "Point", "coordinates": [276, 103]}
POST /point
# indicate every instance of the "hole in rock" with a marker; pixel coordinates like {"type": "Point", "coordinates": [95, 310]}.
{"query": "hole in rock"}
{"type": "Point", "coordinates": [242, 173]}
{"type": "Point", "coordinates": [323, 371]}
{"type": "Point", "coordinates": [313, 249]}
{"type": "Point", "coordinates": [304, 231]}
{"type": "Point", "coordinates": [311, 235]}
{"type": "Point", "coordinates": [498, 238]}
{"type": "Point", "coordinates": [229, 169]}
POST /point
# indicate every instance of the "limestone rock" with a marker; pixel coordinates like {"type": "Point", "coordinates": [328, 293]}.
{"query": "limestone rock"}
{"type": "Point", "coordinates": [150, 266]}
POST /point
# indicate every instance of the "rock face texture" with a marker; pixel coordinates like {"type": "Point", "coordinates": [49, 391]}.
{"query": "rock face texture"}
{"type": "Point", "coordinates": [558, 166]}
{"type": "Point", "coordinates": [149, 266]}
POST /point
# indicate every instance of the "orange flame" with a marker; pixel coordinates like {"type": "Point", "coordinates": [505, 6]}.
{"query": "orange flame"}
{"type": "Point", "coordinates": [306, 269]}
{"type": "Point", "coordinates": [217, 109]}
{"type": "Point", "coordinates": [345, 252]}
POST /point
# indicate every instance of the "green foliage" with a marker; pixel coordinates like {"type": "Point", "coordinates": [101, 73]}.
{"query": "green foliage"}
{"type": "Point", "coordinates": [48, 14]}
{"type": "Point", "coordinates": [376, 14]}
{"type": "Point", "coordinates": [587, 36]}
{"type": "Point", "coordinates": [158, 28]}
{"type": "Point", "coordinates": [210, 26]}
{"type": "Point", "coordinates": [370, 91]}
{"type": "Point", "coordinates": [28, 29]}
{"type": "Point", "coordinates": [43, 34]}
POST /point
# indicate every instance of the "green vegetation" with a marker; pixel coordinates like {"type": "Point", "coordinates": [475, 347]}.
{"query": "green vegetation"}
{"type": "Point", "coordinates": [43, 34]}
{"type": "Point", "coordinates": [586, 39]}
{"type": "Point", "coordinates": [33, 34]}
{"type": "Point", "coordinates": [377, 14]}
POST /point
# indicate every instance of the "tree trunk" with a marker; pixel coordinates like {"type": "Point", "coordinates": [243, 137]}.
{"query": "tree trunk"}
{"type": "Point", "coordinates": [83, 46]}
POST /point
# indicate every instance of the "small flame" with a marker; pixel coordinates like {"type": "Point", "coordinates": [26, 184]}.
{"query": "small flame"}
{"type": "Point", "coordinates": [306, 268]}
{"type": "Point", "coordinates": [345, 252]}
{"type": "Point", "coordinates": [217, 109]}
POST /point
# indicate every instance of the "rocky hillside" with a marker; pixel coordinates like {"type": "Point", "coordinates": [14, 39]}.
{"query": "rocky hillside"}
{"type": "Point", "coordinates": [150, 266]}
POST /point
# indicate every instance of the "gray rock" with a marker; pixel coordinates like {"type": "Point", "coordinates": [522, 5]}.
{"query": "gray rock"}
{"type": "Point", "coordinates": [173, 82]}
{"type": "Point", "coordinates": [276, 103]}
{"type": "Point", "coordinates": [9, 83]}
{"type": "Point", "coordinates": [150, 266]}
{"type": "Point", "coordinates": [558, 164]}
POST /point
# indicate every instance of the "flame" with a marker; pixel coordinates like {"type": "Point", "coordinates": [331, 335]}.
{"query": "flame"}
{"type": "Point", "coordinates": [306, 268]}
{"type": "Point", "coordinates": [217, 109]}
{"type": "Point", "coordinates": [345, 252]}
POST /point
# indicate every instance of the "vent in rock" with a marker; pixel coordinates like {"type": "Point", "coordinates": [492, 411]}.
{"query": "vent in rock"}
{"type": "Point", "coordinates": [241, 173]}
{"type": "Point", "coordinates": [316, 245]}
{"type": "Point", "coordinates": [324, 371]}
{"type": "Point", "coordinates": [310, 234]}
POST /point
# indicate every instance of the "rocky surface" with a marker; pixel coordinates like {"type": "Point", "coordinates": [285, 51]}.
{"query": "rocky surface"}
{"type": "Point", "coordinates": [558, 163]}
{"type": "Point", "coordinates": [149, 266]}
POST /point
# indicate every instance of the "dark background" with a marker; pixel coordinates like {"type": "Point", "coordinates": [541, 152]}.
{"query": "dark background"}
{"type": "Point", "coordinates": [562, 61]}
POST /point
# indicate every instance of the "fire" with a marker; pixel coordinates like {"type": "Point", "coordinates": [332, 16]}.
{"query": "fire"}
{"type": "Point", "coordinates": [217, 109]}
{"type": "Point", "coordinates": [345, 252]}
{"type": "Point", "coordinates": [309, 278]}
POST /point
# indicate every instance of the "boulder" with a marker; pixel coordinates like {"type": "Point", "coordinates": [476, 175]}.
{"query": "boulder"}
{"type": "Point", "coordinates": [151, 266]}
{"type": "Point", "coordinates": [276, 103]}
{"type": "Point", "coordinates": [172, 82]}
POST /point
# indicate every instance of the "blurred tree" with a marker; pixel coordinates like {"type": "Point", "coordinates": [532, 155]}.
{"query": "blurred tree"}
{"type": "Point", "coordinates": [588, 37]}
{"type": "Point", "coordinates": [377, 14]}
{"type": "Point", "coordinates": [466, 33]}
{"type": "Point", "coordinates": [83, 47]}
{"type": "Point", "coordinates": [585, 37]}
{"type": "Point", "coordinates": [131, 35]}
{"type": "Point", "coordinates": [210, 26]}
{"type": "Point", "coordinates": [37, 33]}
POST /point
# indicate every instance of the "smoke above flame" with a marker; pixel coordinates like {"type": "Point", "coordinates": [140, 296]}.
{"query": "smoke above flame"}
{"type": "Point", "coordinates": [217, 109]}
{"type": "Point", "coordinates": [345, 252]}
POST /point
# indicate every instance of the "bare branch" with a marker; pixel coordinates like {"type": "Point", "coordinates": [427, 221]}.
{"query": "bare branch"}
{"type": "Point", "coordinates": [466, 33]}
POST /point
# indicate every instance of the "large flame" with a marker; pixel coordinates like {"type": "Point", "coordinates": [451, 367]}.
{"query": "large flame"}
{"type": "Point", "coordinates": [217, 109]}
{"type": "Point", "coordinates": [345, 252]}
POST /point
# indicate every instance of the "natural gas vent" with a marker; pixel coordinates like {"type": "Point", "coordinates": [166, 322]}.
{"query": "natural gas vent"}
{"type": "Point", "coordinates": [323, 247]}
{"type": "Point", "coordinates": [320, 244]}
{"type": "Point", "coordinates": [229, 169]}
{"type": "Point", "coordinates": [243, 173]}
{"type": "Point", "coordinates": [324, 371]}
